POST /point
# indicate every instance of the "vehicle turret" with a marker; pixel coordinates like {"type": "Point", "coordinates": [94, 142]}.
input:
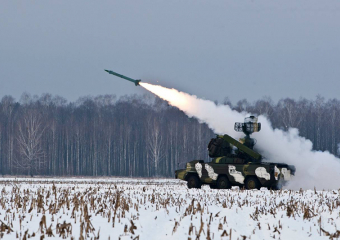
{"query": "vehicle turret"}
{"type": "Point", "coordinates": [221, 145]}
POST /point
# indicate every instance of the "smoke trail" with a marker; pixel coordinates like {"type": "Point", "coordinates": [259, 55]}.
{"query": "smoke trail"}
{"type": "Point", "coordinates": [313, 168]}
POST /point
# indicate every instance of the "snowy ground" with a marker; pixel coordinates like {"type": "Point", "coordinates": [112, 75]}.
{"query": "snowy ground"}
{"type": "Point", "coordinates": [161, 209]}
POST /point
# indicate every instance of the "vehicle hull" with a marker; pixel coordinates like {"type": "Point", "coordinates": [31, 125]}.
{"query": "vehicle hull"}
{"type": "Point", "coordinates": [270, 175]}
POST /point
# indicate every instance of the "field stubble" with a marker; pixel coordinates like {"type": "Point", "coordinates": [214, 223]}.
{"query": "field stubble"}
{"type": "Point", "coordinates": [161, 209]}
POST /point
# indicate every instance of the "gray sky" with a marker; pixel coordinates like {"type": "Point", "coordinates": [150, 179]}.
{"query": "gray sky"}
{"type": "Point", "coordinates": [213, 49]}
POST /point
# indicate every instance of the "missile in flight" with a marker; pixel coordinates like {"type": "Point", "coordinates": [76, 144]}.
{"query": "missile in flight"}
{"type": "Point", "coordinates": [136, 82]}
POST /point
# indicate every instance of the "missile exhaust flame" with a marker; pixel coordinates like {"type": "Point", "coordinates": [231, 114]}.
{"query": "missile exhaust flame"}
{"type": "Point", "coordinates": [172, 96]}
{"type": "Point", "coordinates": [314, 168]}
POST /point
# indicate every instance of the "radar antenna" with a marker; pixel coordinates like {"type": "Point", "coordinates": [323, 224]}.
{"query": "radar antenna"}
{"type": "Point", "coordinates": [249, 126]}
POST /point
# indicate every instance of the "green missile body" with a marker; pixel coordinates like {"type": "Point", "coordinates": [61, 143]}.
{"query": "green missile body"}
{"type": "Point", "coordinates": [136, 82]}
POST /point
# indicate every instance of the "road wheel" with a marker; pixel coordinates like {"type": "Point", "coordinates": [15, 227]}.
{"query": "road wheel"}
{"type": "Point", "coordinates": [193, 182]}
{"type": "Point", "coordinates": [223, 183]}
{"type": "Point", "coordinates": [252, 183]}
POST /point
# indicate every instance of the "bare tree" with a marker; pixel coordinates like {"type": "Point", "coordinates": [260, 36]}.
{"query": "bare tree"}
{"type": "Point", "coordinates": [290, 113]}
{"type": "Point", "coordinates": [1, 163]}
{"type": "Point", "coordinates": [155, 142]}
{"type": "Point", "coordinates": [30, 131]}
{"type": "Point", "coordinates": [319, 109]}
{"type": "Point", "coordinates": [8, 109]}
{"type": "Point", "coordinates": [133, 135]}
{"type": "Point", "coordinates": [264, 106]}
{"type": "Point", "coordinates": [242, 105]}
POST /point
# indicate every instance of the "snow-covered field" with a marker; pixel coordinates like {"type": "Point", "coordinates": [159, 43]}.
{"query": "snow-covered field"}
{"type": "Point", "coordinates": [124, 208]}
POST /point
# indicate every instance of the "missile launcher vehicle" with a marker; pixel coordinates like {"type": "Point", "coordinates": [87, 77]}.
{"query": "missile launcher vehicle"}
{"type": "Point", "coordinates": [236, 163]}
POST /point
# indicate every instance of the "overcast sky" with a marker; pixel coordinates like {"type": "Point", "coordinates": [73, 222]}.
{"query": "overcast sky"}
{"type": "Point", "coordinates": [213, 49]}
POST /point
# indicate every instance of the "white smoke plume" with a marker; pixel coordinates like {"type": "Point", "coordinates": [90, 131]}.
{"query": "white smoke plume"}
{"type": "Point", "coordinates": [313, 168]}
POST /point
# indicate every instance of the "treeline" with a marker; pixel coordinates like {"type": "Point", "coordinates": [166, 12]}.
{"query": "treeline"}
{"type": "Point", "coordinates": [132, 135]}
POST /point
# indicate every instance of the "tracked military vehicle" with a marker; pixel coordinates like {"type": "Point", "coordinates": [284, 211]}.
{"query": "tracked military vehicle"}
{"type": "Point", "coordinates": [236, 163]}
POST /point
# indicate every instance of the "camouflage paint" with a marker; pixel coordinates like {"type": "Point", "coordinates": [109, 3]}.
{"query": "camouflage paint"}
{"type": "Point", "coordinates": [198, 167]}
{"type": "Point", "coordinates": [211, 172]}
{"type": "Point", "coordinates": [286, 174]}
{"type": "Point", "coordinates": [238, 177]}
{"type": "Point", "coordinates": [261, 172]}
{"type": "Point", "coordinates": [276, 173]}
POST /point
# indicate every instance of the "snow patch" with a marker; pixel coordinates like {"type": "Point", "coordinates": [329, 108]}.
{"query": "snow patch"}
{"type": "Point", "coordinates": [153, 219]}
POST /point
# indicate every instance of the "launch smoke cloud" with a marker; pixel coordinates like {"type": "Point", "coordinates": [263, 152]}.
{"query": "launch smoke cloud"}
{"type": "Point", "coordinates": [313, 168]}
